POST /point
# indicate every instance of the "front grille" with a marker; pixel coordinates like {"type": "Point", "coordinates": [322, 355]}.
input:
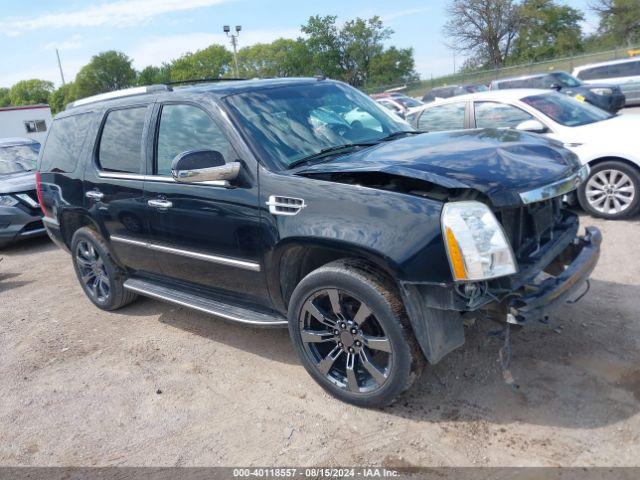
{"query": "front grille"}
{"type": "Point", "coordinates": [530, 227]}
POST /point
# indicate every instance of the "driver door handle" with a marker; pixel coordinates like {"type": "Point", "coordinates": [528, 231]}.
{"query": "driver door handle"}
{"type": "Point", "coordinates": [160, 204]}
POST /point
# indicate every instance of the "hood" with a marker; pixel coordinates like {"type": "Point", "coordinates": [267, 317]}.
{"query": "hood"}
{"type": "Point", "coordinates": [498, 163]}
{"type": "Point", "coordinates": [17, 182]}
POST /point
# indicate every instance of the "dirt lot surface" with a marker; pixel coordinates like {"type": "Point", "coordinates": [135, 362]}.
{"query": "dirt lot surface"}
{"type": "Point", "coordinates": [158, 385]}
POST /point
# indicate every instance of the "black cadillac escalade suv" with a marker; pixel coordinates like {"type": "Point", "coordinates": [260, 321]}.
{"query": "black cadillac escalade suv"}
{"type": "Point", "coordinates": [302, 203]}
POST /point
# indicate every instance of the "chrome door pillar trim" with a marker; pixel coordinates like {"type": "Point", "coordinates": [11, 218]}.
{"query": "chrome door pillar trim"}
{"type": "Point", "coordinates": [233, 262]}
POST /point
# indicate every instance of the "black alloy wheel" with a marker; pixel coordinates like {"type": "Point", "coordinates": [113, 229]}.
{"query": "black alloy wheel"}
{"type": "Point", "coordinates": [352, 334]}
{"type": "Point", "coordinates": [348, 344]}
{"type": "Point", "coordinates": [93, 274]}
{"type": "Point", "coordinates": [100, 276]}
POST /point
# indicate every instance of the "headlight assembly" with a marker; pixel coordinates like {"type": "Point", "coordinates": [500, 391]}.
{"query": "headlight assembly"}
{"type": "Point", "coordinates": [602, 91]}
{"type": "Point", "coordinates": [7, 201]}
{"type": "Point", "coordinates": [476, 244]}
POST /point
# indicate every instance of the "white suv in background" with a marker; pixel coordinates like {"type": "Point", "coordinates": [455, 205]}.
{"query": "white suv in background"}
{"type": "Point", "coordinates": [624, 73]}
{"type": "Point", "coordinates": [607, 143]}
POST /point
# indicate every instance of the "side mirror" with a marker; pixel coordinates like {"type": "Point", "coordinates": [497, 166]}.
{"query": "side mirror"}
{"type": "Point", "coordinates": [203, 166]}
{"type": "Point", "coordinates": [555, 86]}
{"type": "Point", "coordinates": [533, 126]}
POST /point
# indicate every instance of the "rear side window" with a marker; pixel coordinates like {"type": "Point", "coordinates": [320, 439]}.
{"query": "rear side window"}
{"type": "Point", "coordinates": [629, 69]}
{"type": "Point", "coordinates": [64, 144]}
{"type": "Point", "coordinates": [121, 140]}
{"type": "Point", "coordinates": [443, 117]}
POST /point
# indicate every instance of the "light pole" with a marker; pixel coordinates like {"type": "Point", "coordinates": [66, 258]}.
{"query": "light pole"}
{"type": "Point", "coordinates": [234, 43]}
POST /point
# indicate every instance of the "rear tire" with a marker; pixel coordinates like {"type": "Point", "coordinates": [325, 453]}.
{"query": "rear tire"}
{"type": "Point", "coordinates": [99, 275]}
{"type": "Point", "coordinates": [612, 191]}
{"type": "Point", "coordinates": [352, 334]}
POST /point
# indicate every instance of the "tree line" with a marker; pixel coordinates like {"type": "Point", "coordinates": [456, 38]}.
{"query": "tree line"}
{"type": "Point", "coordinates": [353, 52]}
{"type": "Point", "coordinates": [497, 33]}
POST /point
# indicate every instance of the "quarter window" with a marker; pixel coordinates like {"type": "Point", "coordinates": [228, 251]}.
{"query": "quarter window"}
{"type": "Point", "coordinates": [121, 141]}
{"type": "Point", "coordinates": [184, 128]}
{"type": "Point", "coordinates": [443, 117]}
{"type": "Point", "coordinates": [499, 115]}
{"type": "Point", "coordinates": [64, 143]}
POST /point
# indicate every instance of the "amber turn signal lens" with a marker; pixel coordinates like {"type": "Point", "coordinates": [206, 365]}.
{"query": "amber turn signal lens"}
{"type": "Point", "coordinates": [455, 255]}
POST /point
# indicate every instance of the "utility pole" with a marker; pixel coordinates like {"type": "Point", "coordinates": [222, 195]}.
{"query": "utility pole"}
{"type": "Point", "coordinates": [60, 66]}
{"type": "Point", "coordinates": [234, 43]}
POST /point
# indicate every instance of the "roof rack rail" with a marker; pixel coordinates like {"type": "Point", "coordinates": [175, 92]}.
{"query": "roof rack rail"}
{"type": "Point", "coordinates": [204, 80]}
{"type": "Point", "coordinates": [127, 92]}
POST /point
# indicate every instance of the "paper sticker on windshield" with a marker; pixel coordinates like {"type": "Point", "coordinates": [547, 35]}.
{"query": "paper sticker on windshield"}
{"type": "Point", "coordinates": [580, 98]}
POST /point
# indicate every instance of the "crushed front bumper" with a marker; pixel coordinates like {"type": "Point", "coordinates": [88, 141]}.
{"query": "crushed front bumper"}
{"type": "Point", "coordinates": [560, 281]}
{"type": "Point", "coordinates": [560, 272]}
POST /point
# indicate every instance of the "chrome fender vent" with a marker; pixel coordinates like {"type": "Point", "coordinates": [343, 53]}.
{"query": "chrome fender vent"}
{"type": "Point", "coordinates": [285, 205]}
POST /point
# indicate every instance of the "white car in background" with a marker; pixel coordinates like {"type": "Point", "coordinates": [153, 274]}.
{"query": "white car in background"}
{"type": "Point", "coordinates": [624, 72]}
{"type": "Point", "coordinates": [609, 144]}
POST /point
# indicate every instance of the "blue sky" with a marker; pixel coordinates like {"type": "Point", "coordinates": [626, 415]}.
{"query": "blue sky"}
{"type": "Point", "coordinates": [153, 31]}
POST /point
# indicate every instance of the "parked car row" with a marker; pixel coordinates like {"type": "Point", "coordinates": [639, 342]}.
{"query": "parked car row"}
{"type": "Point", "coordinates": [607, 85]}
{"type": "Point", "coordinates": [605, 142]}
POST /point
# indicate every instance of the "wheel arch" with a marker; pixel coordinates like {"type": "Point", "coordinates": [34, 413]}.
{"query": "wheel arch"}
{"type": "Point", "coordinates": [295, 258]}
{"type": "Point", "coordinates": [73, 220]}
{"type": "Point", "coordinates": [626, 161]}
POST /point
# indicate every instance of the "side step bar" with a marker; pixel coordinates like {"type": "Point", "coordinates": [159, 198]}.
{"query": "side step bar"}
{"type": "Point", "coordinates": [206, 305]}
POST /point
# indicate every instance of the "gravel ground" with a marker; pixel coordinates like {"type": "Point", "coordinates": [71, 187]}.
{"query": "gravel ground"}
{"type": "Point", "coordinates": [159, 385]}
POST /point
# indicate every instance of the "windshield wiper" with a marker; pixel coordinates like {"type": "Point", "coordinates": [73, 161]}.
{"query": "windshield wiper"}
{"type": "Point", "coordinates": [395, 135]}
{"type": "Point", "coordinates": [328, 151]}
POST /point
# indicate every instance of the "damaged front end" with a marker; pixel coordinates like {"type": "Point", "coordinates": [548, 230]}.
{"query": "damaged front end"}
{"type": "Point", "coordinates": [554, 265]}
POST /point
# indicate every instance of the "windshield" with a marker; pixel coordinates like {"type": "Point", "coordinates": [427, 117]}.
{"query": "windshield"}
{"type": "Point", "coordinates": [566, 80]}
{"type": "Point", "coordinates": [18, 158]}
{"type": "Point", "coordinates": [566, 110]}
{"type": "Point", "coordinates": [291, 123]}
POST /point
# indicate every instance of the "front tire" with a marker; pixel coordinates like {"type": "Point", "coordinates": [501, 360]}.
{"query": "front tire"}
{"type": "Point", "coordinates": [100, 277]}
{"type": "Point", "coordinates": [352, 334]}
{"type": "Point", "coordinates": [612, 191]}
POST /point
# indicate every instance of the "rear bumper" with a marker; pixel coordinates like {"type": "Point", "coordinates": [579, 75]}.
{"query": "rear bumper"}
{"type": "Point", "coordinates": [537, 299]}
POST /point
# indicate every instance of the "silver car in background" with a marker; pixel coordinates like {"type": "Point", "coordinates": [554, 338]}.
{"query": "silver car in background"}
{"type": "Point", "coordinates": [624, 73]}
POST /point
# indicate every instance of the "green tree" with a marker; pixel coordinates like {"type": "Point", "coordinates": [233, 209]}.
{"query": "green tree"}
{"type": "Point", "coordinates": [346, 52]}
{"type": "Point", "coordinates": [106, 72]}
{"type": "Point", "coordinates": [151, 75]}
{"type": "Point", "coordinates": [280, 58]}
{"type": "Point", "coordinates": [62, 96]}
{"type": "Point", "coordinates": [30, 92]}
{"type": "Point", "coordinates": [324, 45]}
{"type": "Point", "coordinates": [547, 30]}
{"type": "Point", "coordinates": [393, 66]}
{"type": "Point", "coordinates": [360, 42]}
{"type": "Point", "coordinates": [5, 101]}
{"type": "Point", "coordinates": [619, 20]}
{"type": "Point", "coordinates": [483, 29]}
{"type": "Point", "coordinates": [212, 62]}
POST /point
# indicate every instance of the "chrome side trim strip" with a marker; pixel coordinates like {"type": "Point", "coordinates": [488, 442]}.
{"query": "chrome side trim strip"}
{"type": "Point", "coordinates": [556, 189]}
{"type": "Point", "coordinates": [233, 262]}
{"type": "Point", "coordinates": [129, 241]}
{"type": "Point", "coordinates": [157, 178]}
{"type": "Point", "coordinates": [152, 294]}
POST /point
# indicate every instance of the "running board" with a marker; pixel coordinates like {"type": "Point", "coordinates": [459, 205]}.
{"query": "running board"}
{"type": "Point", "coordinates": [206, 305]}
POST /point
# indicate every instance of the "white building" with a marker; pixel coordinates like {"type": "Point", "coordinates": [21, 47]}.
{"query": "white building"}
{"type": "Point", "coordinates": [32, 121]}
